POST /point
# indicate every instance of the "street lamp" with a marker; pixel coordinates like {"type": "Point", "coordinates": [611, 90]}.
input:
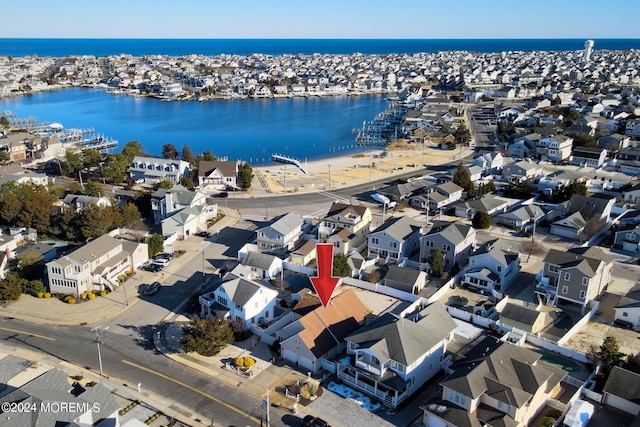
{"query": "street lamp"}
{"type": "Point", "coordinates": [97, 330]}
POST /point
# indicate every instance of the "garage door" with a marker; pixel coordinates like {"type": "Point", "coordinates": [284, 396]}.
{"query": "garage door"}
{"type": "Point", "coordinates": [305, 363]}
{"type": "Point", "coordinates": [629, 246]}
{"type": "Point", "coordinates": [291, 356]}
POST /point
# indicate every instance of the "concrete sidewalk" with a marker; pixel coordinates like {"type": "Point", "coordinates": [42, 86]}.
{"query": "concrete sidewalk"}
{"type": "Point", "coordinates": [52, 311]}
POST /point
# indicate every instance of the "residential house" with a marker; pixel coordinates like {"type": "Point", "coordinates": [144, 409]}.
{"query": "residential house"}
{"type": "Point", "coordinates": [632, 195]}
{"type": "Point", "coordinates": [522, 218]}
{"type": "Point", "coordinates": [488, 203]}
{"type": "Point", "coordinates": [579, 212]}
{"type": "Point", "coordinates": [577, 275]}
{"type": "Point", "coordinates": [614, 142]}
{"type": "Point", "coordinates": [522, 170]}
{"type": "Point", "coordinates": [165, 202]}
{"type": "Point", "coordinates": [437, 197]}
{"type": "Point", "coordinates": [525, 146]}
{"type": "Point", "coordinates": [407, 279]}
{"type": "Point", "coordinates": [523, 318]}
{"type": "Point", "coordinates": [627, 237]}
{"type": "Point", "coordinates": [403, 191]}
{"type": "Point", "coordinates": [239, 300]}
{"type": "Point", "coordinates": [95, 265]}
{"type": "Point", "coordinates": [54, 399]}
{"type": "Point", "coordinates": [391, 358]}
{"type": "Point", "coordinates": [555, 149]}
{"type": "Point", "coordinates": [220, 174]}
{"type": "Point", "coordinates": [628, 308]}
{"type": "Point", "coordinates": [507, 387]}
{"type": "Point", "coordinates": [493, 266]}
{"type": "Point", "coordinates": [555, 181]}
{"type": "Point", "coordinates": [622, 391]}
{"type": "Point", "coordinates": [318, 335]}
{"type": "Point", "coordinates": [629, 167]}
{"type": "Point", "coordinates": [395, 239]}
{"type": "Point", "coordinates": [153, 170]}
{"type": "Point", "coordinates": [283, 234]}
{"type": "Point", "coordinates": [352, 221]}
{"type": "Point", "coordinates": [490, 163]}
{"type": "Point", "coordinates": [589, 156]}
{"type": "Point", "coordinates": [455, 239]}
{"type": "Point", "coordinates": [188, 221]}
{"type": "Point", "coordinates": [77, 202]}
{"type": "Point", "coordinates": [305, 253]}
{"type": "Point", "coordinates": [263, 266]}
{"type": "Point", "coordinates": [629, 154]}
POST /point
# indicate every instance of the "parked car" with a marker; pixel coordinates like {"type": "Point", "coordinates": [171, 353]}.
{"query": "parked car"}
{"type": "Point", "coordinates": [153, 266]}
{"type": "Point", "coordinates": [222, 194]}
{"type": "Point", "coordinates": [164, 255]}
{"type": "Point", "coordinates": [311, 421]}
{"type": "Point", "coordinates": [623, 323]}
{"type": "Point", "coordinates": [152, 288]}
{"type": "Point", "coordinates": [203, 234]}
{"type": "Point", "coordinates": [162, 261]}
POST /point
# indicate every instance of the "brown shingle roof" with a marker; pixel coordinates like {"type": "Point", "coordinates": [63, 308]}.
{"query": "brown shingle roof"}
{"type": "Point", "coordinates": [205, 167]}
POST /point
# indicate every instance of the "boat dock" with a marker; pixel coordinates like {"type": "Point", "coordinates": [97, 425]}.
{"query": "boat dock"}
{"type": "Point", "coordinates": [288, 160]}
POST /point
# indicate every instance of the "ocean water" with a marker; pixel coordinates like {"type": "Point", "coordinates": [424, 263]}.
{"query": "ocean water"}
{"type": "Point", "coordinates": [175, 47]}
{"type": "Point", "coordinates": [250, 129]}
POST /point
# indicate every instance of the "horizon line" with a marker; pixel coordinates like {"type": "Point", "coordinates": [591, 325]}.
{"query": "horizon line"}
{"type": "Point", "coordinates": [320, 38]}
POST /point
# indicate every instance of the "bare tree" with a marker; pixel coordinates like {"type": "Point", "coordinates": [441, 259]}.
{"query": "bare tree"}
{"type": "Point", "coordinates": [592, 226]}
{"type": "Point", "coordinates": [531, 247]}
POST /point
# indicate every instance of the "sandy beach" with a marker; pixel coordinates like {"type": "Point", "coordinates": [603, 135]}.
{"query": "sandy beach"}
{"type": "Point", "coordinates": [342, 171]}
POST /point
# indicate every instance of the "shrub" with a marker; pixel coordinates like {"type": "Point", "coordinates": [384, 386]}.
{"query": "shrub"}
{"type": "Point", "coordinates": [103, 293]}
{"type": "Point", "coordinates": [70, 300]}
{"type": "Point", "coordinates": [249, 362]}
{"type": "Point", "coordinates": [47, 295]}
{"type": "Point", "coordinates": [309, 389]}
{"type": "Point", "coordinates": [239, 362]}
{"type": "Point", "coordinates": [91, 296]}
{"type": "Point", "coordinates": [40, 294]}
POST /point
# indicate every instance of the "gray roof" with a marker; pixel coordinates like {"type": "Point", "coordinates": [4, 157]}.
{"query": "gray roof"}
{"type": "Point", "coordinates": [526, 212]}
{"type": "Point", "coordinates": [79, 198]}
{"type": "Point", "coordinates": [501, 250]}
{"type": "Point", "coordinates": [54, 386]}
{"type": "Point", "coordinates": [259, 260]}
{"type": "Point", "coordinates": [454, 232]}
{"type": "Point", "coordinates": [183, 215]}
{"type": "Point", "coordinates": [519, 314]}
{"type": "Point", "coordinates": [94, 249]}
{"type": "Point", "coordinates": [399, 228]}
{"type": "Point", "coordinates": [624, 384]}
{"type": "Point", "coordinates": [588, 206]}
{"type": "Point", "coordinates": [286, 223]}
{"type": "Point", "coordinates": [586, 259]}
{"type": "Point", "coordinates": [406, 275]}
{"type": "Point", "coordinates": [179, 194]}
{"type": "Point", "coordinates": [403, 340]}
{"type": "Point", "coordinates": [510, 374]}
{"type": "Point", "coordinates": [240, 290]}
{"type": "Point", "coordinates": [448, 188]}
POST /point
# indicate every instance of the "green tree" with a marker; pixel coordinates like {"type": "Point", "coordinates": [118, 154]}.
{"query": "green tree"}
{"type": "Point", "coordinates": [187, 182]}
{"type": "Point", "coordinates": [462, 178]}
{"type": "Point", "coordinates": [72, 164]}
{"type": "Point", "coordinates": [164, 184]}
{"type": "Point", "coordinates": [206, 336]}
{"type": "Point", "coordinates": [341, 266]}
{"type": "Point", "coordinates": [131, 150]}
{"type": "Point", "coordinates": [481, 220]}
{"type": "Point", "coordinates": [609, 355]}
{"type": "Point", "coordinates": [436, 262]}
{"type": "Point", "coordinates": [4, 122]}
{"type": "Point", "coordinates": [11, 287]}
{"type": "Point", "coordinates": [207, 156]}
{"type": "Point", "coordinates": [116, 169]}
{"type": "Point", "coordinates": [156, 244]}
{"type": "Point", "coordinates": [187, 154]}
{"type": "Point", "coordinates": [130, 214]}
{"type": "Point", "coordinates": [91, 158]}
{"type": "Point", "coordinates": [245, 176]}
{"type": "Point", "coordinates": [30, 265]}
{"type": "Point", "coordinates": [169, 151]}
{"type": "Point", "coordinates": [556, 101]}
{"type": "Point", "coordinates": [94, 221]}
{"type": "Point", "coordinates": [462, 134]}
{"type": "Point", "coordinates": [33, 287]}
{"type": "Point", "coordinates": [93, 189]}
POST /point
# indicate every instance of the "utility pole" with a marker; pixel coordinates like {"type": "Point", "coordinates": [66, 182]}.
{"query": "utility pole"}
{"type": "Point", "coordinates": [370, 165]}
{"type": "Point", "coordinates": [81, 183]}
{"type": "Point", "coordinates": [266, 209]}
{"type": "Point", "coordinates": [284, 172]}
{"type": "Point", "coordinates": [98, 331]}
{"type": "Point", "coordinates": [330, 176]}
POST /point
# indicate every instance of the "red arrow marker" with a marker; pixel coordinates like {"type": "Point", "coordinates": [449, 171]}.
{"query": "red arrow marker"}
{"type": "Point", "coordinates": [325, 283]}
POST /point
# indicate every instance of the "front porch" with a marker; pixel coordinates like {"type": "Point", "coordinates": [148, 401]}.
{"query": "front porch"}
{"type": "Point", "coordinates": [390, 389]}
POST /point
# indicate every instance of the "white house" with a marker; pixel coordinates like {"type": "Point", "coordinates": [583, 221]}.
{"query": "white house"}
{"type": "Point", "coordinates": [95, 265]}
{"type": "Point", "coordinates": [493, 267]}
{"type": "Point", "coordinates": [219, 174]}
{"type": "Point", "coordinates": [391, 358]}
{"type": "Point", "coordinates": [239, 300]}
{"type": "Point", "coordinates": [165, 202]}
{"type": "Point", "coordinates": [263, 266]}
{"type": "Point", "coordinates": [283, 234]}
{"type": "Point", "coordinates": [395, 239]}
{"type": "Point", "coordinates": [153, 169]}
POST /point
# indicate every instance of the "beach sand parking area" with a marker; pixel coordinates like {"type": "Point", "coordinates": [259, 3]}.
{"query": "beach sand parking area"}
{"type": "Point", "coordinates": [334, 172]}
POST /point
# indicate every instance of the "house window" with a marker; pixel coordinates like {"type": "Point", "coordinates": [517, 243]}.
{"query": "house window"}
{"type": "Point", "coordinates": [565, 289]}
{"type": "Point", "coordinates": [222, 301]}
{"type": "Point", "coordinates": [374, 241]}
{"type": "Point", "coordinates": [585, 281]}
{"type": "Point", "coordinates": [625, 314]}
{"type": "Point", "coordinates": [500, 405]}
{"type": "Point", "coordinates": [473, 263]}
{"type": "Point", "coordinates": [393, 245]}
{"type": "Point", "coordinates": [630, 236]}
{"type": "Point", "coordinates": [446, 248]}
{"type": "Point", "coordinates": [567, 276]}
{"type": "Point", "coordinates": [458, 398]}
{"type": "Point", "coordinates": [583, 294]}
{"type": "Point", "coordinates": [553, 268]}
{"type": "Point", "coordinates": [499, 269]}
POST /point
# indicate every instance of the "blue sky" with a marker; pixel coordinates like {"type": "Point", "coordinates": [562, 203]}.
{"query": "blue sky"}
{"type": "Point", "coordinates": [320, 19]}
